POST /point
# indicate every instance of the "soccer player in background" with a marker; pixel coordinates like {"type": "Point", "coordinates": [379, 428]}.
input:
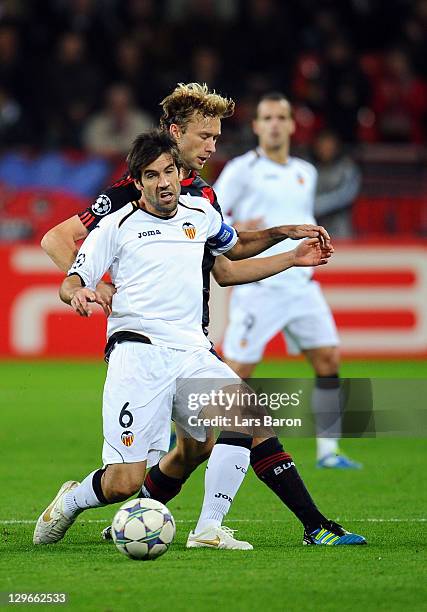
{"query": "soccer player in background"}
{"type": "Point", "coordinates": [264, 187]}
{"type": "Point", "coordinates": [192, 115]}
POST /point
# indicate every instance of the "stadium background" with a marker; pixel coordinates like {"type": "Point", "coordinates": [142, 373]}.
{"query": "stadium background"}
{"type": "Point", "coordinates": [355, 66]}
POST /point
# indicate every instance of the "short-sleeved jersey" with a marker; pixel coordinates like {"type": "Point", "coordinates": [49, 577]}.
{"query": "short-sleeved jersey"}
{"type": "Point", "coordinates": [252, 185]}
{"type": "Point", "coordinates": [156, 267]}
{"type": "Point", "coordinates": [124, 191]}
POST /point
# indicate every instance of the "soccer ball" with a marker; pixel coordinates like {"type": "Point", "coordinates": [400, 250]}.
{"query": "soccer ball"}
{"type": "Point", "coordinates": [143, 529]}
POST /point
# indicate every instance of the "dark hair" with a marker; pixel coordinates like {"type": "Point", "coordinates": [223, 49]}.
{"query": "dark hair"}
{"type": "Point", "coordinates": [275, 96]}
{"type": "Point", "coordinates": [147, 147]}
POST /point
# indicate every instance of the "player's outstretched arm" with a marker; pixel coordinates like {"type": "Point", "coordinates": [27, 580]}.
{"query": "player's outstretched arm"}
{"type": "Point", "coordinates": [252, 243]}
{"type": "Point", "coordinates": [309, 253]}
{"type": "Point", "coordinates": [79, 298]}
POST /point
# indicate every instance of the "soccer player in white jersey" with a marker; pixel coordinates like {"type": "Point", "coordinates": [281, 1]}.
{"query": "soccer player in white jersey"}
{"type": "Point", "coordinates": [267, 187]}
{"type": "Point", "coordinates": [153, 249]}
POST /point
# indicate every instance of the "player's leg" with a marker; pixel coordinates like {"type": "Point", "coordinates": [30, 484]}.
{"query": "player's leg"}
{"type": "Point", "coordinates": [245, 340]}
{"type": "Point", "coordinates": [326, 402]}
{"type": "Point", "coordinates": [165, 480]}
{"type": "Point", "coordinates": [276, 468]}
{"type": "Point", "coordinates": [133, 432]}
{"type": "Point", "coordinates": [244, 345]}
{"type": "Point", "coordinates": [100, 488]}
{"type": "Point", "coordinates": [229, 459]}
{"type": "Point", "coordinates": [311, 330]}
{"type": "Point", "coordinates": [244, 370]}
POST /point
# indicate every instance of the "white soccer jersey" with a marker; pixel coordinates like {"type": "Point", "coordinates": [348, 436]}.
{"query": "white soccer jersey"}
{"type": "Point", "coordinates": [156, 267]}
{"type": "Point", "coordinates": [252, 185]}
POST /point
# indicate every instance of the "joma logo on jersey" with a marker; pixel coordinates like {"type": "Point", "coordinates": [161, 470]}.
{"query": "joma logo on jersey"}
{"type": "Point", "coordinates": [189, 230]}
{"type": "Point", "coordinates": [149, 233]}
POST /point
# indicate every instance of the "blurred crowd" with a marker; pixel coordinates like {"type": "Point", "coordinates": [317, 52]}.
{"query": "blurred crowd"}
{"type": "Point", "coordinates": [89, 74]}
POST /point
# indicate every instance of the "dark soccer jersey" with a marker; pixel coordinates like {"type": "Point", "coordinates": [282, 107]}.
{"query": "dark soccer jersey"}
{"type": "Point", "coordinates": [124, 191]}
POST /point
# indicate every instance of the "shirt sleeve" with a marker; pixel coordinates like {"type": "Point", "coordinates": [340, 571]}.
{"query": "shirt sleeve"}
{"type": "Point", "coordinates": [111, 200]}
{"type": "Point", "coordinates": [230, 188]}
{"type": "Point", "coordinates": [96, 254]}
{"type": "Point", "coordinates": [221, 237]}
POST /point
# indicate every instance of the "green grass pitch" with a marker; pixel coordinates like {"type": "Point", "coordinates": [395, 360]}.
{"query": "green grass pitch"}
{"type": "Point", "coordinates": [51, 432]}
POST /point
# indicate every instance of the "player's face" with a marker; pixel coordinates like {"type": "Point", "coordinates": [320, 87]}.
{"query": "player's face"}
{"type": "Point", "coordinates": [197, 142]}
{"type": "Point", "coordinates": [274, 124]}
{"type": "Point", "coordinates": [159, 186]}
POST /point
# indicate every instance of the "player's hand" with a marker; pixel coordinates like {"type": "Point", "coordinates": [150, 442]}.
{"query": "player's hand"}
{"type": "Point", "coordinates": [106, 291]}
{"type": "Point", "coordinates": [312, 252]}
{"type": "Point", "coordinates": [82, 298]}
{"type": "Point", "coordinates": [296, 232]}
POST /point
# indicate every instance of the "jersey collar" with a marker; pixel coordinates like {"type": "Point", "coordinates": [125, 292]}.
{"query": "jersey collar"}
{"type": "Point", "coordinates": [158, 216]}
{"type": "Point", "coordinates": [189, 181]}
{"type": "Point", "coordinates": [261, 153]}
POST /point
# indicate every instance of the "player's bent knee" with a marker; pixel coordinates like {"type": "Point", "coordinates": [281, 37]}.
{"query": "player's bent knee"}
{"type": "Point", "coordinates": [123, 489]}
{"type": "Point", "coordinates": [122, 481]}
{"type": "Point", "coordinates": [326, 361]}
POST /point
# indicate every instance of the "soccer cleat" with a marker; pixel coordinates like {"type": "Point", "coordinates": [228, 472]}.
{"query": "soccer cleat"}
{"type": "Point", "coordinates": [217, 537]}
{"type": "Point", "coordinates": [338, 462]}
{"type": "Point", "coordinates": [331, 534]}
{"type": "Point", "coordinates": [106, 533]}
{"type": "Point", "coordinates": [52, 524]}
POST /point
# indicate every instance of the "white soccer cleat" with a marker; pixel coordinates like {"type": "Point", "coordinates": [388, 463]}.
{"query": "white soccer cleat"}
{"type": "Point", "coordinates": [217, 537]}
{"type": "Point", "coordinates": [52, 524]}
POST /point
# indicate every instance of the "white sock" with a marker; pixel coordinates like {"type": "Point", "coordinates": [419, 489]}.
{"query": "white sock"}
{"type": "Point", "coordinates": [326, 446]}
{"type": "Point", "coordinates": [81, 498]}
{"type": "Point", "coordinates": [224, 474]}
{"type": "Point", "coordinates": [327, 411]}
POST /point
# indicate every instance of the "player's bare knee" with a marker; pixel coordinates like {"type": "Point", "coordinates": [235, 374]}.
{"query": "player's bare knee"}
{"type": "Point", "coordinates": [123, 488]}
{"type": "Point", "coordinates": [326, 361]}
{"type": "Point", "coordinates": [121, 481]}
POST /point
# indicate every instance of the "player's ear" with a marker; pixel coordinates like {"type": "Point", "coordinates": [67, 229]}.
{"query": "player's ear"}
{"type": "Point", "coordinates": [292, 127]}
{"type": "Point", "coordinates": [175, 131]}
{"type": "Point", "coordinates": [255, 127]}
{"type": "Point", "coordinates": [138, 185]}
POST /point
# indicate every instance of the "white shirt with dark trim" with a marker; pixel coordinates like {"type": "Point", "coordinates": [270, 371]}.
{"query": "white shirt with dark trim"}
{"type": "Point", "coordinates": [156, 267]}
{"type": "Point", "coordinates": [252, 185]}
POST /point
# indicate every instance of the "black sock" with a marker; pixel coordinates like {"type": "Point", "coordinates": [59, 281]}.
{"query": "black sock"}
{"type": "Point", "coordinates": [159, 486]}
{"type": "Point", "coordinates": [97, 486]}
{"type": "Point", "coordinates": [234, 438]}
{"type": "Point", "coordinates": [277, 470]}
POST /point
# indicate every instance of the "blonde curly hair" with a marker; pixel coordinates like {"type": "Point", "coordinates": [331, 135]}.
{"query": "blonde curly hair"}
{"type": "Point", "coordinates": [190, 98]}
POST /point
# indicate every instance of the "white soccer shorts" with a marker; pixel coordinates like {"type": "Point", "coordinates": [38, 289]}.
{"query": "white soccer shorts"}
{"type": "Point", "coordinates": [140, 398]}
{"type": "Point", "coordinates": [203, 373]}
{"type": "Point", "coordinates": [258, 312]}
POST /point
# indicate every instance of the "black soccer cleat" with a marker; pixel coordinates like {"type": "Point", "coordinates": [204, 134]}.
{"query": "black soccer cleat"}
{"type": "Point", "coordinates": [106, 533]}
